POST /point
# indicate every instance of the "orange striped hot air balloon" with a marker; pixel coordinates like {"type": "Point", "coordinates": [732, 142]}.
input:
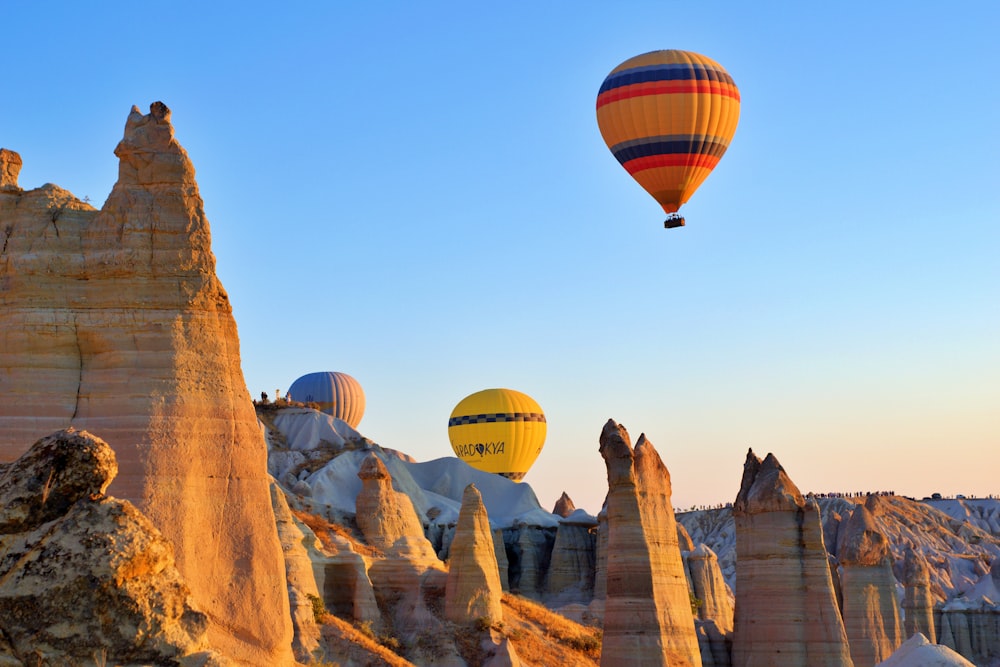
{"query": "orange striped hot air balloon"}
{"type": "Point", "coordinates": [668, 116]}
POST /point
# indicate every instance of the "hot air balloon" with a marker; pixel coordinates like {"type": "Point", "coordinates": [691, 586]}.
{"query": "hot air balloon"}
{"type": "Point", "coordinates": [338, 394]}
{"type": "Point", "coordinates": [498, 430]}
{"type": "Point", "coordinates": [668, 117]}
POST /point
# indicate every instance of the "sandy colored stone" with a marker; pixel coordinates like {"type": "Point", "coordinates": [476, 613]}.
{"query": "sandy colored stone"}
{"type": "Point", "coordinates": [709, 586]}
{"type": "Point", "coordinates": [300, 578]}
{"type": "Point", "coordinates": [786, 611]}
{"type": "Point", "coordinates": [387, 517]}
{"type": "Point", "coordinates": [84, 575]}
{"type": "Point", "coordinates": [473, 589]}
{"type": "Point", "coordinates": [564, 506]}
{"type": "Point", "coordinates": [870, 610]}
{"type": "Point", "coordinates": [114, 321]}
{"type": "Point", "coordinates": [647, 611]}
{"type": "Point", "coordinates": [10, 168]}
{"type": "Point", "coordinates": [918, 599]}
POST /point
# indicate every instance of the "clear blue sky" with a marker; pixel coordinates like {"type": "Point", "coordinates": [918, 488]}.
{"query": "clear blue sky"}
{"type": "Point", "coordinates": [417, 194]}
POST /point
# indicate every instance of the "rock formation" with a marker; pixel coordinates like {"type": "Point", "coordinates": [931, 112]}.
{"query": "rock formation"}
{"type": "Point", "coordinates": [970, 623]}
{"type": "Point", "coordinates": [532, 549]}
{"type": "Point", "coordinates": [647, 611]}
{"type": "Point", "coordinates": [570, 578]}
{"type": "Point", "coordinates": [708, 586]}
{"type": "Point", "coordinates": [564, 506]}
{"type": "Point", "coordinates": [786, 612]}
{"type": "Point", "coordinates": [410, 573]}
{"type": "Point", "coordinates": [85, 577]}
{"type": "Point", "coordinates": [10, 167]}
{"type": "Point", "coordinates": [473, 589]}
{"type": "Point", "coordinates": [300, 578]}
{"type": "Point", "coordinates": [114, 321]}
{"type": "Point", "coordinates": [386, 516]}
{"type": "Point", "coordinates": [870, 612]}
{"type": "Point", "coordinates": [918, 600]}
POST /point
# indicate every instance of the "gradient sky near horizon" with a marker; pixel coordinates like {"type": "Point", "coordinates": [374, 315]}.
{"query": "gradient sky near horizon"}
{"type": "Point", "coordinates": [417, 194]}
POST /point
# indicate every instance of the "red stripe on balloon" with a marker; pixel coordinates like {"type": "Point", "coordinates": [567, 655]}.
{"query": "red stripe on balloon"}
{"type": "Point", "coordinates": [671, 160]}
{"type": "Point", "coordinates": [667, 88]}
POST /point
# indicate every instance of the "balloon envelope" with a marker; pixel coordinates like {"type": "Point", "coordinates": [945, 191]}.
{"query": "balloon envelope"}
{"type": "Point", "coordinates": [338, 394]}
{"type": "Point", "coordinates": [668, 117]}
{"type": "Point", "coordinates": [498, 430]}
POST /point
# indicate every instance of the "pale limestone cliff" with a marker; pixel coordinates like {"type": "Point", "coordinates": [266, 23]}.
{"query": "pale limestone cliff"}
{"type": "Point", "coordinates": [473, 587]}
{"type": "Point", "coordinates": [570, 578]}
{"type": "Point", "coordinates": [647, 610]}
{"type": "Point", "coordinates": [709, 587]}
{"type": "Point", "coordinates": [870, 610]}
{"type": "Point", "coordinates": [84, 576]}
{"type": "Point", "coordinates": [300, 578]}
{"type": "Point", "coordinates": [114, 321]}
{"type": "Point", "coordinates": [970, 623]}
{"type": "Point", "coordinates": [918, 600]}
{"type": "Point", "coordinates": [786, 612]}
{"type": "Point", "coordinates": [532, 548]}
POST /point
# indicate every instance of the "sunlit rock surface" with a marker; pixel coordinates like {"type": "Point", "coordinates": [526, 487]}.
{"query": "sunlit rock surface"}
{"type": "Point", "coordinates": [870, 610]}
{"type": "Point", "coordinates": [786, 611]}
{"type": "Point", "coordinates": [918, 600]}
{"type": "Point", "coordinates": [473, 587]}
{"type": "Point", "coordinates": [647, 610]}
{"type": "Point", "coordinates": [84, 576]}
{"type": "Point", "coordinates": [114, 321]}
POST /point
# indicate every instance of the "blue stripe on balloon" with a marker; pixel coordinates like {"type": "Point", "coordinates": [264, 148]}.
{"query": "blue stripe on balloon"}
{"type": "Point", "coordinates": [672, 72]}
{"type": "Point", "coordinates": [694, 144]}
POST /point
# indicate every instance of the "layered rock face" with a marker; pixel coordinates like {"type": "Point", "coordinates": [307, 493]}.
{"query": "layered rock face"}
{"type": "Point", "coordinates": [570, 577]}
{"type": "Point", "coordinates": [387, 517]}
{"type": "Point", "coordinates": [473, 589]}
{"type": "Point", "coordinates": [714, 613]}
{"type": "Point", "coordinates": [647, 610]}
{"type": "Point", "coordinates": [84, 576]}
{"type": "Point", "coordinates": [918, 599]}
{"type": "Point", "coordinates": [786, 612]}
{"type": "Point", "coordinates": [970, 623]}
{"type": "Point", "coordinates": [115, 321]}
{"type": "Point", "coordinates": [870, 611]}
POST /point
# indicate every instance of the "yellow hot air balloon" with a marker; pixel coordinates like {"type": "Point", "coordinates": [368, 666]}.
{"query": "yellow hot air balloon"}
{"type": "Point", "coordinates": [498, 430]}
{"type": "Point", "coordinates": [668, 116]}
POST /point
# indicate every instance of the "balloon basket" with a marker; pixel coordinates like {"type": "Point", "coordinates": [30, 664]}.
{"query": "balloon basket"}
{"type": "Point", "coordinates": [673, 220]}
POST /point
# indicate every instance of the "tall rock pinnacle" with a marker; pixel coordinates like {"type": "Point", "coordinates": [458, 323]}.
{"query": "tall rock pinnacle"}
{"type": "Point", "coordinates": [647, 612]}
{"type": "Point", "coordinates": [871, 612]}
{"type": "Point", "coordinates": [473, 588]}
{"type": "Point", "coordinates": [115, 322]}
{"type": "Point", "coordinates": [786, 611]}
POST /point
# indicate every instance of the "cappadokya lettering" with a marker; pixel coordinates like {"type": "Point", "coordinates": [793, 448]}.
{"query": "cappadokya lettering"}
{"type": "Point", "coordinates": [480, 449]}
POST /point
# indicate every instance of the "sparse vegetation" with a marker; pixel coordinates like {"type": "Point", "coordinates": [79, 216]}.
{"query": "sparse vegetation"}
{"type": "Point", "coordinates": [549, 638]}
{"type": "Point", "coordinates": [696, 603]}
{"type": "Point", "coordinates": [318, 608]}
{"type": "Point", "coordinates": [325, 530]}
